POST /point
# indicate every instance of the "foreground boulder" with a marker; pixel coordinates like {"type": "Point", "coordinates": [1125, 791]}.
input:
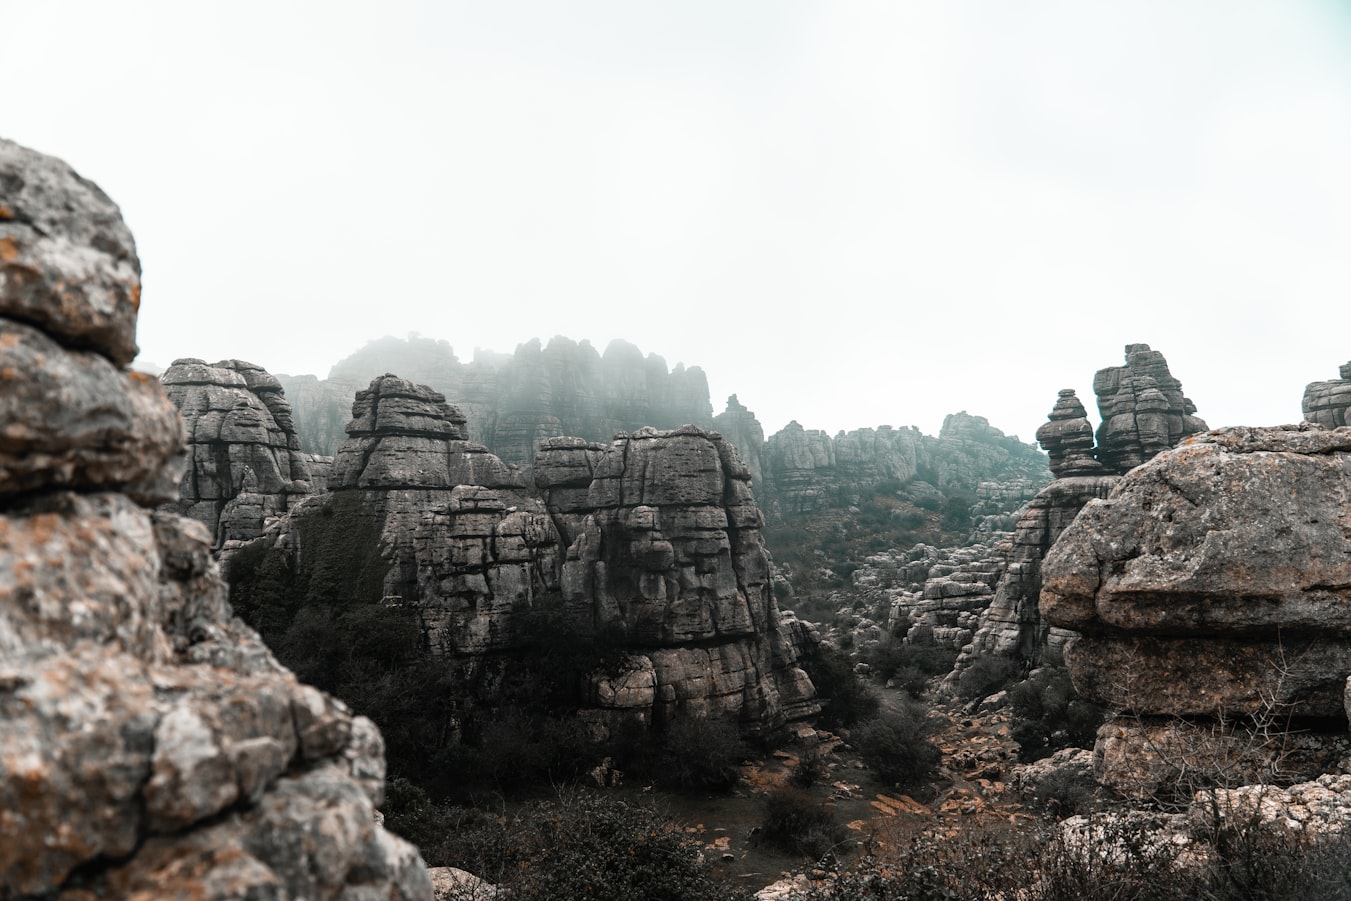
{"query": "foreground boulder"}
{"type": "Point", "coordinates": [150, 746]}
{"type": "Point", "coordinates": [1213, 586]}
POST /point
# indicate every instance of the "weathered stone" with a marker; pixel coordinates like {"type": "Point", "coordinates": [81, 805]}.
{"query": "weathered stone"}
{"type": "Point", "coordinates": [74, 420]}
{"type": "Point", "coordinates": [68, 263]}
{"type": "Point", "coordinates": [1068, 438]}
{"type": "Point", "coordinates": [245, 465]}
{"type": "Point", "coordinates": [1234, 534]}
{"type": "Point", "coordinates": [148, 741]}
{"type": "Point", "coordinates": [1326, 403]}
{"type": "Point", "coordinates": [1143, 409]}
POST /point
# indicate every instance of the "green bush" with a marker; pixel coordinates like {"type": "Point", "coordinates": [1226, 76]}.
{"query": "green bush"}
{"type": "Point", "coordinates": [699, 753]}
{"type": "Point", "coordinates": [1048, 715]}
{"type": "Point", "coordinates": [909, 666]}
{"type": "Point", "coordinates": [796, 824]}
{"type": "Point", "coordinates": [986, 674]}
{"type": "Point", "coordinates": [591, 847]}
{"type": "Point", "coordinates": [845, 699]}
{"type": "Point", "coordinates": [895, 745]}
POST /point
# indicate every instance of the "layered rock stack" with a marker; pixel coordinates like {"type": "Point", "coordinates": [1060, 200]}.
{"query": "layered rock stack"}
{"type": "Point", "coordinates": [665, 544]}
{"type": "Point", "coordinates": [1210, 594]}
{"type": "Point", "coordinates": [244, 459]}
{"type": "Point", "coordinates": [1142, 409]}
{"type": "Point", "coordinates": [150, 746]}
{"type": "Point", "coordinates": [738, 425]}
{"type": "Point", "coordinates": [653, 539]}
{"type": "Point", "coordinates": [1326, 403]}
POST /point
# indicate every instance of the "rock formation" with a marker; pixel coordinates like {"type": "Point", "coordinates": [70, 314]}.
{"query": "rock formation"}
{"type": "Point", "coordinates": [244, 459]}
{"type": "Point", "coordinates": [1326, 403]}
{"type": "Point", "coordinates": [1135, 427]}
{"type": "Point", "coordinates": [1142, 408]}
{"type": "Point", "coordinates": [150, 746]}
{"type": "Point", "coordinates": [666, 544]}
{"type": "Point", "coordinates": [1214, 585]}
{"type": "Point", "coordinates": [653, 540]}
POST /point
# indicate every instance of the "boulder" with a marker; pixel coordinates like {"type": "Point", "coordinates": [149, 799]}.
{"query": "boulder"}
{"type": "Point", "coordinates": [150, 745]}
{"type": "Point", "coordinates": [1214, 583]}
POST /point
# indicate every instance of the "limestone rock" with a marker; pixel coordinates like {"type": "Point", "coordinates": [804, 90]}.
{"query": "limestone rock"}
{"type": "Point", "coordinates": [149, 743]}
{"type": "Point", "coordinates": [670, 551]}
{"type": "Point", "coordinates": [245, 465]}
{"type": "Point", "coordinates": [513, 402]}
{"type": "Point", "coordinates": [1326, 403]}
{"type": "Point", "coordinates": [75, 420]}
{"type": "Point", "coordinates": [1143, 409]}
{"type": "Point", "coordinates": [68, 263]}
{"type": "Point", "coordinates": [1211, 584]}
{"type": "Point", "coordinates": [1068, 438]}
{"type": "Point", "coordinates": [739, 426]}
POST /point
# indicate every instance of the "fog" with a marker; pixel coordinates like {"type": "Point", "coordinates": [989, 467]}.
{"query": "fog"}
{"type": "Point", "coordinates": [848, 214]}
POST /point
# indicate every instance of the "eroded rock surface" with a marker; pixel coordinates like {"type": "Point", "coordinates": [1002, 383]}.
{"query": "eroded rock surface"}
{"type": "Point", "coordinates": [1214, 582]}
{"type": "Point", "coordinates": [244, 463]}
{"type": "Point", "coordinates": [652, 539]}
{"type": "Point", "coordinates": [1136, 426]}
{"type": "Point", "coordinates": [150, 746]}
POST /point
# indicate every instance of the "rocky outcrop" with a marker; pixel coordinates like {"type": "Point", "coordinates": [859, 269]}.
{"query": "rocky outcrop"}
{"type": "Point", "coordinates": [244, 459]}
{"type": "Point", "coordinates": [806, 471]}
{"type": "Point", "coordinates": [1135, 427]}
{"type": "Point", "coordinates": [666, 545]}
{"type": "Point", "coordinates": [739, 426]}
{"type": "Point", "coordinates": [1326, 403]}
{"type": "Point", "coordinates": [652, 540]}
{"type": "Point", "coordinates": [1213, 584]}
{"type": "Point", "coordinates": [149, 743]}
{"type": "Point", "coordinates": [1142, 408]}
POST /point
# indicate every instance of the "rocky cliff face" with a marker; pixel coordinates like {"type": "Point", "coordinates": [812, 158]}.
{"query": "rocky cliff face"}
{"type": "Point", "coordinates": [666, 544]}
{"type": "Point", "coordinates": [1210, 586]}
{"type": "Point", "coordinates": [150, 746]}
{"type": "Point", "coordinates": [652, 540]}
{"type": "Point", "coordinates": [513, 402]}
{"type": "Point", "coordinates": [244, 459]}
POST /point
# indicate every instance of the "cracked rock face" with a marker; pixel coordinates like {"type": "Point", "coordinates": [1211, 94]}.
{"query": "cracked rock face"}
{"type": "Point", "coordinates": [149, 743]}
{"type": "Point", "coordinates": [654, 538]}
{"type": "Point", "coordinates": [663, 540]}
{"type": "Point", "coordinates": [244, 460]}
{"type": "Point", "coordinates": [1214, 581]}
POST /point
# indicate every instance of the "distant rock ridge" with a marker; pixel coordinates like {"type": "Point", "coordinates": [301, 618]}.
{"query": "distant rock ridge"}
{"type": "Point", "coordinates": [150, 745]}
{"type": "Point", "coordinates": [512, 402]}
{"type": "Point", "coordinates": [805, 470]}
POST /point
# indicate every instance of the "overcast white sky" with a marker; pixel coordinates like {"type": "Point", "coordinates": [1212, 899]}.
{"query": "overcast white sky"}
{"type": "Point", "coordinates": [847, 213]}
